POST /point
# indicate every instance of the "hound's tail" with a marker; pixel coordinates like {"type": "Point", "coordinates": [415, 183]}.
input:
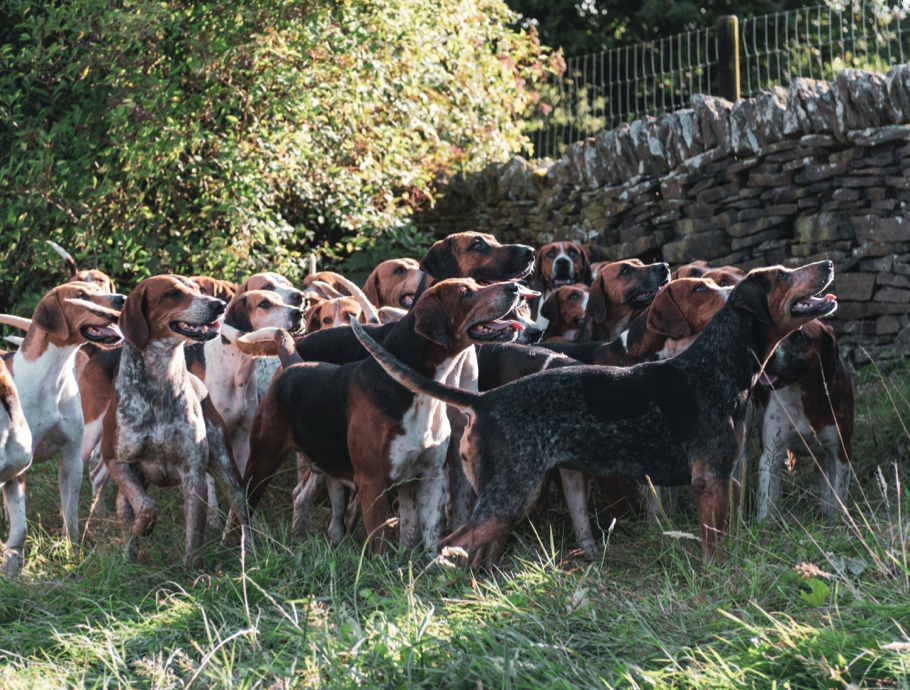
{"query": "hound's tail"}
{"type": "Point", "coordinates": [368, 309]}
{"type": "Point", "coordinates": [15, 321]}
{"type": "Point", "coordinates": [410, 379]}
{"type": "Point", "coordinates": [65, 255]}
{"type": "Point", "coordinates": [270, 342]}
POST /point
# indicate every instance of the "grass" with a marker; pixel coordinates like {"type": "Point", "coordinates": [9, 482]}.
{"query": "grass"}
{"type": "Point", "coordinates": [800, 604]}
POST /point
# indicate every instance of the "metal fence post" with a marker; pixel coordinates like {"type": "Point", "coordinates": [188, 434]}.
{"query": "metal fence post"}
{"type": "Point", "coordinates": [728, 57]}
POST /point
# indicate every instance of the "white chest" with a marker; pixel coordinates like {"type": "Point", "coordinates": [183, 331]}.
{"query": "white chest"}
{"type": "Point", "coordinates": [426, 427]}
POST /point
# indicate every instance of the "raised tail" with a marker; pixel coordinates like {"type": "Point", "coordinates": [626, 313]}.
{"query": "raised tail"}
{"type": "Point", "coordinates": [270, 342]}
{"type": "Point", "coordinates": [15, 321]}
{"type": "Point", "coordinates": [65, 255]}
{"type": "Point", "coordinates": [410, 379]}
{"type": "Point", "coordinates": [368, 309]}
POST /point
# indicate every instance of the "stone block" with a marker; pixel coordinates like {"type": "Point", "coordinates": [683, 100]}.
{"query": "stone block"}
{"type": "Point", "coordinates": [705, 245]}
{"type": "Point", "coordinates": [893, 296]}
{"type": "Point", "coordinates": [824, 227]}
{"type": "Point", "coordinates": [751, 227]}
{"type": "Point", "coordinates": [856, 287]}
{"type": "Point", "coordinates": [751, 240]}
{"type": "Point", "coordinates": [872, 228]}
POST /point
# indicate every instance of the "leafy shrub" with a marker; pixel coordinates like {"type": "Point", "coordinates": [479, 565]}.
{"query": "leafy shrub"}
{"type": "Point", "coordinates": [222, 138]}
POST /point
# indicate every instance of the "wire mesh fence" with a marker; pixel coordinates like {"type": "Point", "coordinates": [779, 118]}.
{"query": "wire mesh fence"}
{"type": "Point", "coordinates": [818, 42]}
{"type": "Point", "coordinates": [602, 90]}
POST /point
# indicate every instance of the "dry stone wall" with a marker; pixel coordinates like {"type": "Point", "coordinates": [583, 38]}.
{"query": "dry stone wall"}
{"type": "Point", "coordinates": [817, 171]}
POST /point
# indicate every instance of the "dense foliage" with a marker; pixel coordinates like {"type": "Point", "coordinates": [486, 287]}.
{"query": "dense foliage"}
{"type": "Point", "coordinates": [220, 138]}
{"type": "Point", "coordinates": [581, 27]}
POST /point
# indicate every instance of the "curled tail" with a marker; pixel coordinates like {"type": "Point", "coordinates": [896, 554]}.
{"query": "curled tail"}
{"type": "Point", "coordinates": [410, 379]}
{"type": "Point", "coordinates": [270, 342]}
{"type": "Point", "coordinates": [65, 255]}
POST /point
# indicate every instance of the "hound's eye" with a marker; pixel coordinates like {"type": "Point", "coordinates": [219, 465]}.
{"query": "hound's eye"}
{"type": "Point", "coordinates": [399, 270]}
{"type": "Point", "coordinates": [781, 275]}
{"type": "Point", "coordinates": [701, 287]}
{"type": "Point", "coordinates": [799, 337]}
{"type": "Point", "coordinates": [82, 295]}
{"type": "Point", "coordinates": [467, 292]}
{"type": "Point", "coordinates": [172, 293]}
{"type": "Point", "coordinates": [573, 253]}
{"type": "Point", "coordinates": [327, 320]}
{"type": "Point", "coordinates": [574, 296]}
{"type": "Point", "coordinates": [626, 270]}
{"type": "Point", "coordinates": [551, 253]}
{"type": "Point", "coordinates": [478, 244]}
{"type": "Point", "coordinates": [723, 283]}
{"type": "Point", "coordinates": [265, 305]}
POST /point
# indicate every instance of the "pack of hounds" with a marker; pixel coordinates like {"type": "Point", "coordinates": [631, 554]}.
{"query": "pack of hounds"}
{"type": "Point", "coordinates": [447, 392]}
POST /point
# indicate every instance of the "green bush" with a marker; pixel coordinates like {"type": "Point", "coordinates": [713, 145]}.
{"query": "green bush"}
{"type": "Point", "coordinates": [222, 138]}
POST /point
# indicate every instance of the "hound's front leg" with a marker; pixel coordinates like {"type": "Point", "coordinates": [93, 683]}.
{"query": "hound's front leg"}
{"type": "Point", "coordinates": [134, 505]}
{"type": "Point", "coordinates": [195, 492]}
{"type": "Point", "coordinates": [70, 477]}
{"type": "Point", "coordinates": [713, 496]}
{"type": "Point", "coordinates": [14, 495]}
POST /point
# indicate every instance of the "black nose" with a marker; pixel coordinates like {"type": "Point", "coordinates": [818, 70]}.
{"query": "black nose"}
{"type": "Point", "coordinates": [218, 305]}
{"type": "Point", "coordinates": [526, 251]}
{"type": "Point", "coordinates": [118, 301]}
{"type": "Point", "coordinates": [512, 287]}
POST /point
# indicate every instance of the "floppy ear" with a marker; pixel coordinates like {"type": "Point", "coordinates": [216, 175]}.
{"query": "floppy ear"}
{"type": "Point", "coordinates": [597, 305]}
{"type": "Point", "coordinates": [549, 309]}
{"type": "Point", "coordinates": [371, 288]}
{"type": "Point", "coordinates": [314, 321]}
{"type": "Point", "coordinates": [750, 296]}
{"type": "Point", "coordinates": [439, 262]}
{"type": "Point", "coordinates": [133, 321]}
{"type": "Point", "coordinates": [830, 354]}
{"type": "Point", "coordinates": [238, 315]}
{"type": "Point", "coordinates": [50, 317]}
{"type": "Point", "coordinates": [666, 318]}
{"type": "Point", "coordinates": [430, 321]}
{"type": "Point", "coordinates": [585, 269]}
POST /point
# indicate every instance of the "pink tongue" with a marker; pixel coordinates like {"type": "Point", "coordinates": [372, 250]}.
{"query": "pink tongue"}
{"type": "Point", "coordinates": [214, 326]}
{"type": "Point", "coordinates": [111, 330]}
{"type": "Point", "coordinates": [502, 325]}
{"type": "Point", "coordinates": [767, 380]}
{"type": "Point", "coordinates": [525, 293]}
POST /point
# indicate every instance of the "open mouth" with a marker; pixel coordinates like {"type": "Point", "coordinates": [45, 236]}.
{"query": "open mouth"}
{"type": "Point", "coordinates": [106, 335]}
{"type": "Point", "coordinates": [643, 299]}
{"type": "Point", "coordinates": [498, 330]}
{"type": "Point", "coordinates": [559, 282]}
{"type": "Point", "coordinates": [814, 306]}
{"type": "Point", "coordinates": [767, 380]}
{"type": "Point", "coordinates": [406, 300]}
{"type": "Point", "coordinates": [200, 332]}
{"type": "Point", "coordinates": [297, 329]}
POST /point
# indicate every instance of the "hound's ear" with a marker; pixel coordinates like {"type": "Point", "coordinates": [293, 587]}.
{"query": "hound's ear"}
{"type": "Point", "coordinates": [238, 315]}
{"type": "Point", "coordinates": [666, 318]}
{"type": "Point", "coordinates": [597, 304]}
{"type": "Point", "coordinates": [750, 296]}
{"type": "Point", "coordinates": [133, 320]}
{"type": "Point", "coordinates": [371, 288]}
{"type": "Point", "coordinates": [430, 321]}
{"type": "Point", "coordinates": [314, 321]}
{"type": "Point", "coordinates": [439, 262]}
{"type": "Point", "coordinates": [549, 310]}
{"type": "Point", "coordinates": [830, 354]}
{"type": "Point", "coordinates": [50, 317]}
{"type": "Point", "coordinates": [585, 270]}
